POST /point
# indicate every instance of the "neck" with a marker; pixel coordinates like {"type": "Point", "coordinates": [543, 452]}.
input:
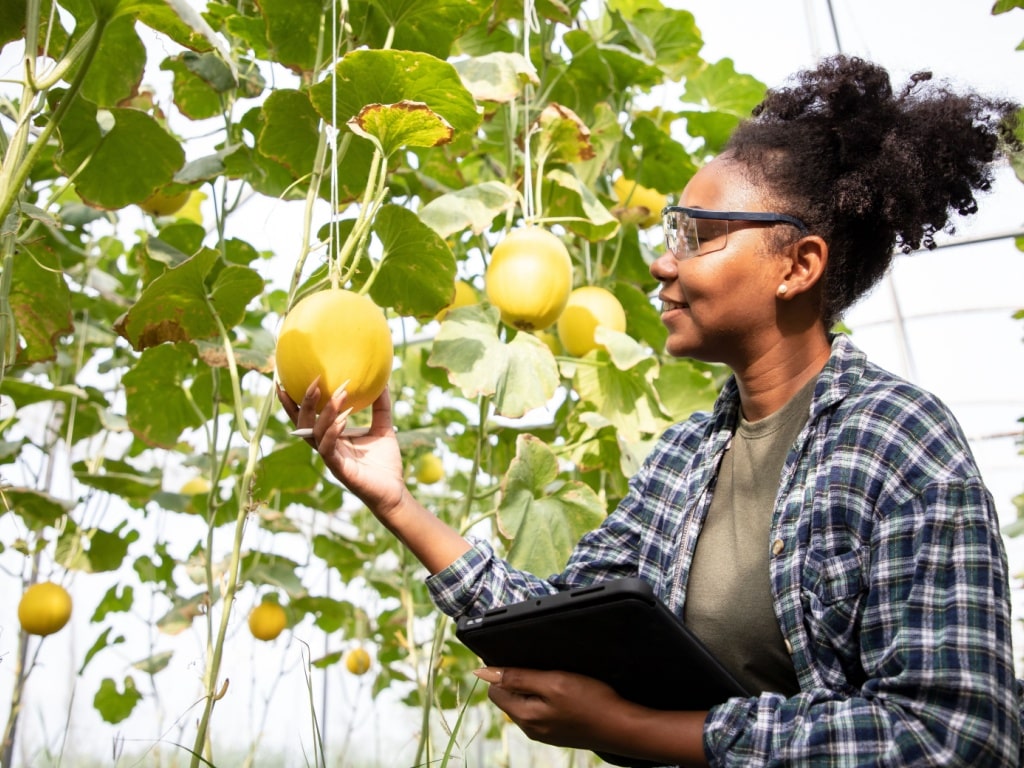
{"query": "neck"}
{"type": "Point", "coordinates": [770, 380]}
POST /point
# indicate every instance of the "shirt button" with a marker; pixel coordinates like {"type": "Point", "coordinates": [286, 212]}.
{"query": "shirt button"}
{"type": "Point", "coordinates": [777, 546]}
{"type": "Point", "coordinates": [789, 646]}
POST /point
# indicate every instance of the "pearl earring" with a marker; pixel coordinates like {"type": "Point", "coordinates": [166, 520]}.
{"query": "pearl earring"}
{"type": "Point", "coordinates": [782, 289]}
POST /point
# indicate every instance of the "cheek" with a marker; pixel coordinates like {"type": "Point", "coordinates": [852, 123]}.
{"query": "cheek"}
{"type": "Point", "coordinates": [727, 299]}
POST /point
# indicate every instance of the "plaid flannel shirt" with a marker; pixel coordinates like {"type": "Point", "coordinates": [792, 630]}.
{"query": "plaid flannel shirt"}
{"type": "Point", "coordinates": [888, 574]}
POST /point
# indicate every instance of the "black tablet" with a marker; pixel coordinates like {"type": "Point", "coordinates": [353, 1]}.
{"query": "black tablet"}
{"type": "Point", "coordinates": [617, 631]}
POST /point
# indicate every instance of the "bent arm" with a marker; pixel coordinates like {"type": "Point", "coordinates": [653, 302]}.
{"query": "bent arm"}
{"type": "Point", "coordinates": [431, 541]}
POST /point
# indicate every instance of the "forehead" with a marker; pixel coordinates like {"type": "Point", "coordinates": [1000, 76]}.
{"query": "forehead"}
{"type": "Point", "coordinates": [721, 185]}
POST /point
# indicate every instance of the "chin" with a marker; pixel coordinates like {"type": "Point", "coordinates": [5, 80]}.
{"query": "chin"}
{"type": "Point", "coordinates": [682, 348]}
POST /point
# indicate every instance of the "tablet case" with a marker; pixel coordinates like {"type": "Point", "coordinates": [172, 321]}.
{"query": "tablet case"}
{"type": "Point", "coordinates": [617, 631]}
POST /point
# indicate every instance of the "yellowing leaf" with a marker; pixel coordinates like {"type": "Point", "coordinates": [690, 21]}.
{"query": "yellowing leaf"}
{"type": "Point", "coordinates": [497, 77]}
{"type": "Point", "coordinates": [564, 136]}
{"type": "Point", "coordinates": [405, 124]}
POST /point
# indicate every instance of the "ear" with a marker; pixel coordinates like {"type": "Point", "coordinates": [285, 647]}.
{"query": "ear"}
{"type": "Point", "coordinates": [804, 264]}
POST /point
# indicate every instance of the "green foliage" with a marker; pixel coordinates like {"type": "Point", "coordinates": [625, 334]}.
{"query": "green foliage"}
{"type": "Point", "coordinates": [140, 345]}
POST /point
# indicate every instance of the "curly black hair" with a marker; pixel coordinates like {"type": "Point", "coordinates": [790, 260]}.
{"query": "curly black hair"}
{"type": "Point", "coordinates": [869, 170]}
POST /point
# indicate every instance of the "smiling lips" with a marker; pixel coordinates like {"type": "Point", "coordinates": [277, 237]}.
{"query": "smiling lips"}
{"type": "Point", "coordinates": [668, 305]}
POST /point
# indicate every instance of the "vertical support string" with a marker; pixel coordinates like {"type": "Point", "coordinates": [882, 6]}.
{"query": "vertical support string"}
{"type": "Point", "coordinates": [531, 23]}
{"type": "Point", "coordinates": [332, 142]}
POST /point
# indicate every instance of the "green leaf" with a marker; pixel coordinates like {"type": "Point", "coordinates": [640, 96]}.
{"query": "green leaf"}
{"type": "Point", "coordinates": [1002, 6]}
{"type": "Point", "coordinates": [603, 69]}
{"type": "Point", "coordinates": [112, 602]}
{"type": "Point", "coordinates": [175, 306]}
{"type": "Point", "coordinates": [664, 164]}
{"type": "Point", "coordinates": [41, 301]}
{"type": "Point", "coordinates": [566, 196]}
{"type": "Point", "coordinates": [196, 97]}
{"type": "Point", "coordinates": [365, 77]}
{"type": "Point", "coordinates": [103, 641]}
{"type": "Point", "coordinates": [418, 267]}
{"type": "Point", "coordinates": [543, 519]}
{"type": "Point", "coordinates": [474, 207]}
{"type": "Point", "coordinates": [159, 406]}
{"type": "Point", "coordinates": [115, 705]}
{"type": "Point", "coordinates": [276, 570]}
{"type": "Point", "coordinates": [293, 29]}
{"type": "Point", "coordinates": [405, 124]}
{"type": "Point", "coordinates": [496, 77]}
{"type": "Point", "coordinates": [264, 174]}
{"type": "Point", "coordinates": [249, 29]}
{"type": "Point", "coordinates": [553, 10]}
{"type": "Point", "coordinates": [329, 615]}
{"type": "Point", "coordinates": [120, 155]}
{"type": "Point", "coordinates": [623, 395]}
{"type": "Point", "coordinates": [718, 87]}
{"type": "Point", "coordinates": [116, 72]}
{"type": "Point", "coordinates": [120, 478]}
{"type": "Point", "coordinates": [289, 468]}
{"type": "Point", "coordinates": [288, 133]}
{"type": "Point", "coordinates": [521, 375]}
{"type": "Point", "coordinates": [714, 127]}
{"type": "Point", "coordinates": [563, 136]}
{"type": "Point", "coordinates": [180, 617]}
{"type": "Point", "coordinates": [12, 22]}
{"type": "Point", "coordinates": [328, 659]}
{"type": "Point", "coordinates": [158, 571]}
{"type": "Point", "coordinates": [36, 509]}
{"type": "Point", "coordinates": [155, 663]}
{"type": "Point", "coordinates": [430, 26]}
{"type": "Point", "coordinates": [158, 15]}
{"type": "Point", "coordinates": [670, 38]}
{"type": "Point", "coordinates": [683, 388]}
{"type": "Point", "coordinates": [106, 550]}
{"type": "Point", "coordinates": [643, 321]}
{"type": "Point", "coordinates": [344, 555]}
{"type": "Point", "coordinates": [605, 137]}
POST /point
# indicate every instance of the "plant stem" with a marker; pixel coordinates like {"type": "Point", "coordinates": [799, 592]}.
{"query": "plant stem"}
{"type": "Point", "coordinates": [20, 677]}
{"type": "Point", "coordinates": [15, 170]}
{"type": "Point", "coordinates": [232, 575]}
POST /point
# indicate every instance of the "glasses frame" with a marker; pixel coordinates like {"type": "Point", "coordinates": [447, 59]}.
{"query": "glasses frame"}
{"type": "Point", "coordinates": [765, 217]}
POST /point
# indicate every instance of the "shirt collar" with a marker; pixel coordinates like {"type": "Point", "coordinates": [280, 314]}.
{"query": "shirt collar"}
{"type": "Point", "coordinates": [845, 367]}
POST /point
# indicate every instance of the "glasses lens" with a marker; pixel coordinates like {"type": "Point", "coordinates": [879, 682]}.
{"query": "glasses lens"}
{"type": "Point", "coordinates": [686, 237]}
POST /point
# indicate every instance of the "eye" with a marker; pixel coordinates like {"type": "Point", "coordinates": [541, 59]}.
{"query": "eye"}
{"type": "Point", "coordinates": [709, 230]}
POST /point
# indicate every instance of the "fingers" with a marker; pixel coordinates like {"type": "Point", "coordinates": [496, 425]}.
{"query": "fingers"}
{"type": "Point", "coordinates": [492, 675]}
{"type": "Point", "coordinates": [290, 406]}
{"type": "Point", "coordinates": [307, 408]}
{"type": "Point", "coordinates": [332, 418]}
{"type": "Point", "coordinates": [519, 681]}
{"type": "Point", "coordinates": [380, 423]}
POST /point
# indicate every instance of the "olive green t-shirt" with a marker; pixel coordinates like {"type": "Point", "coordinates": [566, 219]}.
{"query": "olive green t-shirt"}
{"type": "Point", "coordinates": [728, 597]}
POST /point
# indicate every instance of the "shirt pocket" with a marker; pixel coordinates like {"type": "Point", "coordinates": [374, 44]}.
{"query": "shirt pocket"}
{"type": "Point", "coordinates": [834, 591]}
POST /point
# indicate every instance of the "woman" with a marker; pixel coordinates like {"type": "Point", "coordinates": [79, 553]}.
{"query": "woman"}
{"type": "Point", "coordinates": [825, 529]}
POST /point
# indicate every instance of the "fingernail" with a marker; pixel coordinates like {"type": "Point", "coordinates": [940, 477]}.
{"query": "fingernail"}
{"type": "Point", "coordinates": [301, 432]}
{"type": "Point", "coordinates": [343, 415]}
{"type": "Point", "coordinates": [340, 390]}
{"type": "Point", "coordinates": [488, 674]}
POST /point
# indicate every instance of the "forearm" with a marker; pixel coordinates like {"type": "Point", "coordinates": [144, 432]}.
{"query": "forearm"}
{"type": "Point", "coordinates": [431, 541]}
{"type": "Point", "coordinates": [675, 738]}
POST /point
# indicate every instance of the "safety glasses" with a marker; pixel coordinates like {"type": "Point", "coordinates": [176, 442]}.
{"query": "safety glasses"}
{"type": "Point", "coordinates": [693, 232]}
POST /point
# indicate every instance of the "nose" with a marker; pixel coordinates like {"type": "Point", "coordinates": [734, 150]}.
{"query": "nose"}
{"type": "Point", "coordinates": [665, 268]}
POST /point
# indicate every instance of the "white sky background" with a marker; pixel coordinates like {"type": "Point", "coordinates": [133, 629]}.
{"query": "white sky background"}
{"type": "Point", "coordinates": [958, 340]}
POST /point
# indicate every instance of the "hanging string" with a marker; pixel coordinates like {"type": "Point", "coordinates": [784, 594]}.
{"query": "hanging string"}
{"type": "Point", "coordinates": [531, 23]}
{"type": "Point", "coordinates": [332, 143]}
